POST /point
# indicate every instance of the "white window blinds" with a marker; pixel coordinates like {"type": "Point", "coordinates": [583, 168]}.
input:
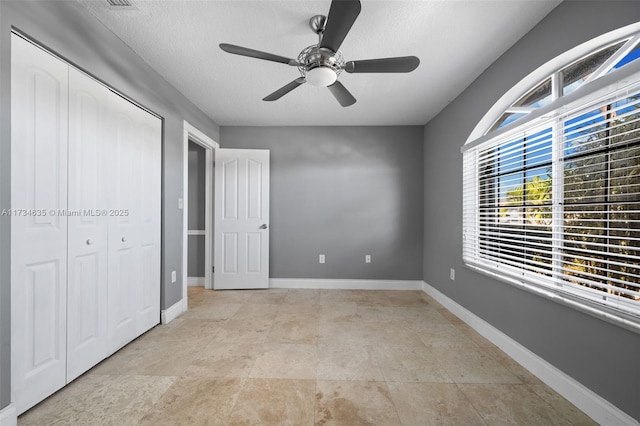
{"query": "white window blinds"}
{"type": "Point", "coordinates": [556, 203]}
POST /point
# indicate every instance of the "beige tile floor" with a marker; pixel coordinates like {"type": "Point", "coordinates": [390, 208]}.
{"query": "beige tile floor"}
{"type": "Point", "coordinates": [303, 357]}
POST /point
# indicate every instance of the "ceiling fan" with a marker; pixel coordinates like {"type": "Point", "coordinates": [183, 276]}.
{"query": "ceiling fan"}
{"type": "Point", "coordinates": [321, 64]}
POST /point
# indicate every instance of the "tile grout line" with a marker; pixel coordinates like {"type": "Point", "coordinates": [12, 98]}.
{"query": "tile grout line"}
{"type": "Point", "coordinates": [475, 409]}
{"type": "Point", "coordinates": [157, 402]}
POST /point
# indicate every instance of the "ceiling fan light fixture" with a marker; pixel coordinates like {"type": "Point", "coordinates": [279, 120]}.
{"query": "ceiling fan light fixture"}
{"type": "Point", "coordinates": [321, 77]}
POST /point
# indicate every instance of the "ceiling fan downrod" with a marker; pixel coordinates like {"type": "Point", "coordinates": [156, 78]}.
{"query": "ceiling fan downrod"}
{"type": "Point", "coordinates": [317, 24]}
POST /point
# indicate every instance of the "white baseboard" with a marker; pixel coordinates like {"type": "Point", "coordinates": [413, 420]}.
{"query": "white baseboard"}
{"type": "Point", "coordinates": [328, 284]}
{"type": "Point", "coordinates": [195, 281]}
{"type": "Point", "coordinates": [596, 407]}
{"type": "Point", "coordinates": [9, 416]}
{"type": "Point", "coordinates": [168, 315]}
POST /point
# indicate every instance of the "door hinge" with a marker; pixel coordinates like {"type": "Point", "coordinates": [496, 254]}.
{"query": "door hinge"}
{"type": "Point", "coordinates": [213, 269]}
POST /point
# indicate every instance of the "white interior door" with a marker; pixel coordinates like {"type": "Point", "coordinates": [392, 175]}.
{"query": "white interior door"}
{"type": "Point", "coordinates": [88, 196]}
{"type": "Point", "coordinates": [39, 108]}
{"type": "Point", "coordinates": [241, 254]}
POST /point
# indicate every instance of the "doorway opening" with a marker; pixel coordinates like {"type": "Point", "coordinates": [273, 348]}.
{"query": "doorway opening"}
{"type": "Point", "coordinates": [196, 216]}
{"type": "Point", "coordinates": [201, 227]}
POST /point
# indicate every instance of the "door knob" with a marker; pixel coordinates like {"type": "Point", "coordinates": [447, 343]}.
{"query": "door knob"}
{"type": "Point", "coordinates": [124, 239]}
{"type": "Point", "coordinates": [89, 241]}
{"type": "Point", "coordinates": [263, 226]}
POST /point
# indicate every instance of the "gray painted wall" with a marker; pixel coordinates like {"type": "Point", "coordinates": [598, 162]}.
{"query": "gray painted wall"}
{"type": "Point", "coordinates": [196, 258]}
{"type": "Point", "coordinates": [67, 29]}
{"type": "Point", "coordinates": [196, 220]}
{"type": "Point", "coordinates": [197, 173]}
{"type": "Point", "coordinates": [343, 192]}
{"type": "Point", "coordinates": [599, 355]}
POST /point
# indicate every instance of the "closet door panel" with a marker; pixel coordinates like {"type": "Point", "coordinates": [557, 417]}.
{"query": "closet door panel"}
{"type": "Point", "coordinates": [124, 255]}
{"type": "Point", "coordinates": [87, 278]}
{"type": "Point", "coordinates": [39, 106]}
{"type": "Point", "coordinates": [149, 146]}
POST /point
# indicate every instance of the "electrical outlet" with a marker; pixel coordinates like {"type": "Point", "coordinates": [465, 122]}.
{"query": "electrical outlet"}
{"type": "Point", "coordinates": [173, 276]}
{"type": "Point", "coordinates": [321, 258]}
{"type": "Point", "coordinates": [452, 274]}
{"type": "Point", "coordinates": [367, 258]}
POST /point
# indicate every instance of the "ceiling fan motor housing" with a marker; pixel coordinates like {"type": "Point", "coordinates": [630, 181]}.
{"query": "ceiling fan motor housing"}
{"type": "Point", "coordinates": [320, 66]}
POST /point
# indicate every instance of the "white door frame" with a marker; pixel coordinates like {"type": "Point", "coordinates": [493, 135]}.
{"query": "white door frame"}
{"type": "Point", "coordinates": [193, 134]}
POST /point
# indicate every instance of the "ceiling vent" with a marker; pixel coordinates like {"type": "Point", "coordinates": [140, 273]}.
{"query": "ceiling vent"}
{"type": "Point", "coordinates": [121, 4]}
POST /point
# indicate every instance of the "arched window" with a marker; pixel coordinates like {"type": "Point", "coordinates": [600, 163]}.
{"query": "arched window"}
{"type": "Point", "coordinates": [552, 182]}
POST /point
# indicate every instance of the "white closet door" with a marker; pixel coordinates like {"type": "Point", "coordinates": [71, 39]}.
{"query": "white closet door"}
{"type": "Point", "coordinates": [85, 226]}
{"type": "Point", "coordinates": [148, 201]}
{"type": "Point", "coordinates": [134, 228]}
{"type": "Point", "coordinates": [124, 275]}
{"type": "Point", "coordinates": [39, 108]}
{"type": "Point", "coordinates": [87, 251]}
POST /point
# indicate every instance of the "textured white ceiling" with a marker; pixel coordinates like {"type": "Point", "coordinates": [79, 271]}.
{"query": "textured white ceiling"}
{"type": "Point", "coordinates": [455, 40]}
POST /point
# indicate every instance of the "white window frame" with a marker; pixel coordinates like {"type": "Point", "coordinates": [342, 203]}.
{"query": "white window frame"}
{"type": "Point", "coordinates": [587, 300]}
{"type": "Point", "coordinates": [551, 68]}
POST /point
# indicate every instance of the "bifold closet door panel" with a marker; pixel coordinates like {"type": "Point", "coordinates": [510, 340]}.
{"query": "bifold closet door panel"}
{"type": "Point", "coordinates": [39, 117]}
{"type": "Point", "coordinates": [124, 240]}
{"type": "Point", "coordinates": [89, 125]}
{"type": "Point", "coordinates": [150, 146]}
{"type": "Point", "coordinates": [134, 223]}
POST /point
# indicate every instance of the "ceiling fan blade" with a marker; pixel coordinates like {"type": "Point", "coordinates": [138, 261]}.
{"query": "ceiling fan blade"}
{"type": "Point", "coordinates": [244, 51]}
{"type": "Point", "coordinates": [284, 90]}
{"type": "Point", "coordinates": [342, 15]}
{"type": "Point", "coordinates": [400, 64]}
{"type": "Point", "coordinates": [342, 94]}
